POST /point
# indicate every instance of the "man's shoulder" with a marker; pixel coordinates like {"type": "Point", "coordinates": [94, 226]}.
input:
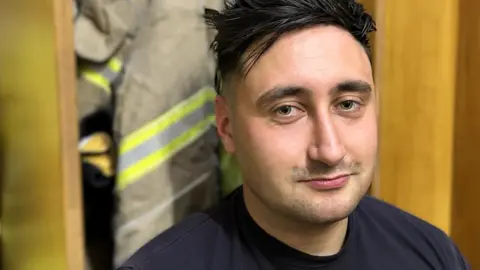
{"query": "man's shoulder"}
{"type": "Point", "coordinates": [177, 240]}
{"type": "Point", "coordinates": [393, 224]}
{"type": "Point", "coordinates": [184, 245]}
{"type": "Point", "coordinates": [383, 211]}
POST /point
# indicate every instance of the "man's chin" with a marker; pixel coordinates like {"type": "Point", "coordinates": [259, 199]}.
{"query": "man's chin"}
{"type": "Point", "coordinates": [332, 209]}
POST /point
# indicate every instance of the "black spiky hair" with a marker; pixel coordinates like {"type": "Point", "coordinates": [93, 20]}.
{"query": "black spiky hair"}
{"type": "Point", "coordinates": [243, 23]}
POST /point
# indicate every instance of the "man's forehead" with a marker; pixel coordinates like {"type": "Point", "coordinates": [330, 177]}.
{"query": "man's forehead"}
{"type": "Point", "coordinates": [318, 57]}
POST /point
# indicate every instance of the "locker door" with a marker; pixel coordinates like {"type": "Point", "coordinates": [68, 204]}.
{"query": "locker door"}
{"type": "Point", "coordinates": [41, 210]}
{"type": "Point", "coordinates": [427, 64]}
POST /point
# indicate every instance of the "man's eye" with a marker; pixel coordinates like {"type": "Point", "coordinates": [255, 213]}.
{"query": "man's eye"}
{"type": "Point", "coordinates": [285, 110]}
{"type": "Point", "coordinates": [348, 105]}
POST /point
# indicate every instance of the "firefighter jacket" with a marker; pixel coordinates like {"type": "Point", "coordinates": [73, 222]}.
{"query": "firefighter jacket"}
{"type": "Point", "coordinates": [146, 66]}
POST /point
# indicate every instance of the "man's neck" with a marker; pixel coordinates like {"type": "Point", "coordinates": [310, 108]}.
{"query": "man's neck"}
{"type": "Point", "coordinates": [313, 239]}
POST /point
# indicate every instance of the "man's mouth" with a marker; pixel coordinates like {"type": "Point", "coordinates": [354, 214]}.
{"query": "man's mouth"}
{"type": "Point", "coordinates": [329, 182]}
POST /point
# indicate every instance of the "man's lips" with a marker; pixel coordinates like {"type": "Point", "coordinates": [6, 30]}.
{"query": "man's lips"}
{"type": "Point", "coordinates": [328, 182]}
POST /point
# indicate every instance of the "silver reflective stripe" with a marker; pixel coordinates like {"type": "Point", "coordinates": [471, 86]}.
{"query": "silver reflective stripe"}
{"type": "Point", "coordinates": [165, 137]}
{"type": "Point", "coordinates": [109, 74]}
{"type": "Point", "coordinates": [106, 72]}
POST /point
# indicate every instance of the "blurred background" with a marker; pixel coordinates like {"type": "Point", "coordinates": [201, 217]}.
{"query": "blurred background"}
{"type": "Point", "coordinates": [107, 137]}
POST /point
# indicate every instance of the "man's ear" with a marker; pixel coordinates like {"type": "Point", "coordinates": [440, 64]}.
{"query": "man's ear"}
{"type": "Point", "coordinates": [224, 123]}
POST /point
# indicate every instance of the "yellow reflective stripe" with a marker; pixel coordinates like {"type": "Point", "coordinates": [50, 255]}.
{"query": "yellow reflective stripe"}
{"type": "Point", "coordinates": [97, 79]}
{"type": "Point", "coordinates": [101, 79]}
{"type": "Point", "coordinates": [152, 161]}
{"type": "Point", "coordinates": [164, 121]}
{"type": "Point", "coordinates": [115, 64]}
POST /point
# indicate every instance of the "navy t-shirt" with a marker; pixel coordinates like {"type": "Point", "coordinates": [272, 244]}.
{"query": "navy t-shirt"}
{"type": "Point", "coordinates": [379, 237]}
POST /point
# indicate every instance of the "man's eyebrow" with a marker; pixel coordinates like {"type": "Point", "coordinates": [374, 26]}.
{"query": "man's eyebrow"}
{"type": "Point", "coordinates": [351, 86]}
{"type": "Point", "coordinates": [282, 92]}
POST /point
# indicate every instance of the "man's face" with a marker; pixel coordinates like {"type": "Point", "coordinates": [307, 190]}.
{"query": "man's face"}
{"type": "Point", "coordinates": [303, 125]}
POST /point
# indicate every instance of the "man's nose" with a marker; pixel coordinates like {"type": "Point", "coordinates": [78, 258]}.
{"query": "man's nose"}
{"type": "Point", "coordinates": [326, 147]}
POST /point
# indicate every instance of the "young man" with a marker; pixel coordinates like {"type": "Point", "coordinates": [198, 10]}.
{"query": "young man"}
{"type": "Point", "coordinates": [297, 106]}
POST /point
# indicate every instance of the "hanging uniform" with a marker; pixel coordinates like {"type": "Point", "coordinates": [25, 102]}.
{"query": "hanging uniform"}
{"type": "Point", "coordinates": [149, 62]}
{"type": "Point", "coordinates": [98, 72]}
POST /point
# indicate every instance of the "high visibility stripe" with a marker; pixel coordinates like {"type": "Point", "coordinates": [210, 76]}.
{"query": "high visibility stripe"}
{"type": "Point", "coordinates": [163, 137]}
{"type": "Point", "coordinates": [156, 142]}
{"type": "Point", "coordinates": [156, 126]}
{"type": "Point", "coordinates": [97, 80]}
{"type": "Point", "coordinates": [115, 65]}
{"type": "Point", "coordinates": [105, 75]}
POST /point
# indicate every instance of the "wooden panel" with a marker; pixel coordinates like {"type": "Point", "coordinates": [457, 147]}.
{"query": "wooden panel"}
{"type": "Point", "coordinates": [369, 5]}
{"type": "Point", "coordinates": [466, 184]}
{"type": "Point", "coordinates": [41, 198]}
{"type": "Point", "coordinates": [415, 73]}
